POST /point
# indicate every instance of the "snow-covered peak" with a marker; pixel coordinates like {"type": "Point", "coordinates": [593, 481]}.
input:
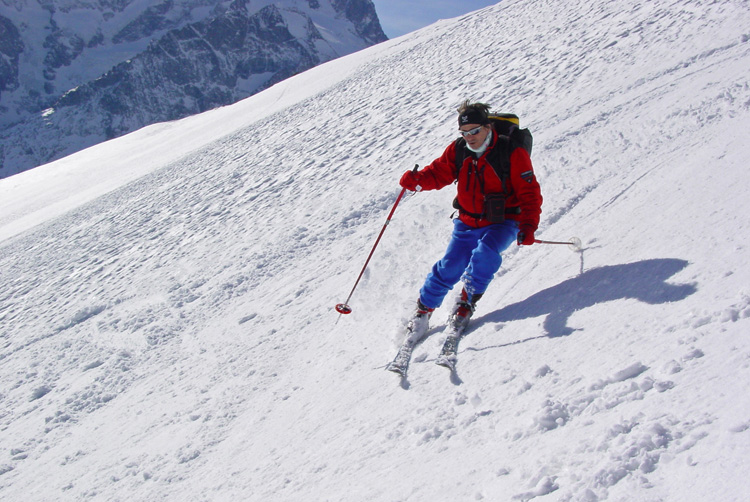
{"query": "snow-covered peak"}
{"type": "Point", "coordinates": [106, 69]}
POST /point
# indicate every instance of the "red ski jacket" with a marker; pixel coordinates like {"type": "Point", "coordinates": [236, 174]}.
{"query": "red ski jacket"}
{"type": "Point", "coordinates": [476, 178]}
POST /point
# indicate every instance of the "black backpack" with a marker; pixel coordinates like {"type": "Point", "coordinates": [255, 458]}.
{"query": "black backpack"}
{"type": "Point", "coordinates": [509, 137]}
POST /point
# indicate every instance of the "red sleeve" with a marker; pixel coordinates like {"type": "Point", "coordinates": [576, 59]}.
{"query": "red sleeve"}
{"type": "Point", "coordinates": [525, 187]}
{"type": "Point", "coordinates": [441, 172]}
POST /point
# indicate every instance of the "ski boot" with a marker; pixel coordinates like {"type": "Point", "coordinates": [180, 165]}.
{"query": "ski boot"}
{"type": "Point", "coordinates": [419, 323]}
{"type": "Point", "coordinates": [463, 310]}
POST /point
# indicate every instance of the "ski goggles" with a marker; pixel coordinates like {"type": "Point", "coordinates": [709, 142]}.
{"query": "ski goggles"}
{"type": "Point", "coordinates": [470, 132]}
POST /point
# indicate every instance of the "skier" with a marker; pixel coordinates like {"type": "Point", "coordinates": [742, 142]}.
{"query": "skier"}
{"type": "Point", "coordinates": [485, 227]}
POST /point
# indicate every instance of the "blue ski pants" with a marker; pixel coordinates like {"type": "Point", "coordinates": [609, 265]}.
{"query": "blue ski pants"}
{"type": "Point", "coordinates": [473, 255]}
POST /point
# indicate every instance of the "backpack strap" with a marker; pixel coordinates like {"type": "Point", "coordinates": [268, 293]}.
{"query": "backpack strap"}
{"type": "Point", "coordinates": [460, 154]}
{"type": "Point", "coordinates": [499, 159]}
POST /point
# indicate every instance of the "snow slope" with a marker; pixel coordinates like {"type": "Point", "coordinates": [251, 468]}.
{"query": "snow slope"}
{"type": "Point", "coordinates": [166, 306]}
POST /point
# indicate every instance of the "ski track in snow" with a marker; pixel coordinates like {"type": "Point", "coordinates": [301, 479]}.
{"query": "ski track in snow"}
{"type": "Point", "coordinates": [175, 338]}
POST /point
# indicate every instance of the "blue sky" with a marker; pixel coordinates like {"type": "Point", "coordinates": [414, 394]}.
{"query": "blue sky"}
{"type": "Point", "coordinates": [398, 17]}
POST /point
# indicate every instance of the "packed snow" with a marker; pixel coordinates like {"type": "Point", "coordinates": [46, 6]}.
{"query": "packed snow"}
{"type": "Point", "coordinates": [167, 298]}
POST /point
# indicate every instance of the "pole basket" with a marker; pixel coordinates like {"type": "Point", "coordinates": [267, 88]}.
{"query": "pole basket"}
{"type": "Point", "coordinates": [574, 243]}
{"type": "Point", "coordinates": [343, 308]}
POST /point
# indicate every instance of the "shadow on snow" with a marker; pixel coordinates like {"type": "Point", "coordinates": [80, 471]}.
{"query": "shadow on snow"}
{"type": "Point", "coordinates": [643, 280]}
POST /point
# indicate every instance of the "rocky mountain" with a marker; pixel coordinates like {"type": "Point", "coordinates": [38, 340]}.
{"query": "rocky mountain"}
{"type": "Point", "coordinates": [74, 73]}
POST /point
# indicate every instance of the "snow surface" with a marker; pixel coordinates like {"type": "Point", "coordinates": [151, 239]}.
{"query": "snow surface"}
{"type": "Point", "coordinates": [166, 298]}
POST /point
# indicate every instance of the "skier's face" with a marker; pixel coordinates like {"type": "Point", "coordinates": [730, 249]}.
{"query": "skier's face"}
{"type": "Point", "coordinates": [474, 134]}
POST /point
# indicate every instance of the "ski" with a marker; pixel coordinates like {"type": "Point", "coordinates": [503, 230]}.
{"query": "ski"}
{"type": "Point", "coordinates": [400, 363]}
{"type": "Point", "coordinates": [415, 331]}
{"type": "Point", "coordinates": [448, 355]}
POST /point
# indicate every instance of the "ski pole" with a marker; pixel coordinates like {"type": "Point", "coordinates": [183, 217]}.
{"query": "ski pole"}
{"type": "Point", "coordinates": [344, 308]}
{"type": "Point", "coordinates": [574, 243]}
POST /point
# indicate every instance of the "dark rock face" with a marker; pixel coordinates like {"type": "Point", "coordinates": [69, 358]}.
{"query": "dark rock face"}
{"type": "Point", "coordinates": [191, 67]}
{"type": "Point", "coordinates": [11, 46]}
{"type": "Point", "coordinates": [362, 14]}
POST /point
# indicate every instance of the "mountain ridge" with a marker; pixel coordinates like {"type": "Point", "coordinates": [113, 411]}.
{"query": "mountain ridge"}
{"type": "Point", "coordinates": [230, 51]}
